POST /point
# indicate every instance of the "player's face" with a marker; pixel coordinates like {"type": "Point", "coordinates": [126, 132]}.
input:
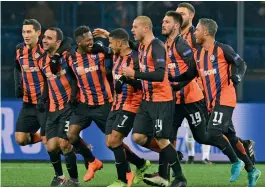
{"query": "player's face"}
{"type": "Point", "coordinates": [138, 30]}
{"type": "Point", "coordinates": [49, 41]}
{"type": "Point", "coordinates": [115, 45]}
{"type": "Point", "coordinates": [187, 16]}
{"type": "Point", "coordinates": [168, 25]}
{"type": "Point", "coordinates": [86, 42]}
{"type": "Point", "coordinates": [200, 33]}
{"type": "Point", "coordinates": [30, 36]}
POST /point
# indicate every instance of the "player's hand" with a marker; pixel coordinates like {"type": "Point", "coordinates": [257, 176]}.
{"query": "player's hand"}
{"type": "Point", "coordinates": [100, 33]}
{"type": "Point", "coordinates": [40, 106]}
{"type": "Point", "coordinates": [55, 60]}
{"type": "Point", "coordinates": [19, 92]}
{"type": "Point", "coordinates": [119, 84]}
{"type": "Point", "coordinates": [128, 72]}
{"type": "Point", "coordinates": [236, 79]}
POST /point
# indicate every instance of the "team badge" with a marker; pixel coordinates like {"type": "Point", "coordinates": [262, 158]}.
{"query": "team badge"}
{"type": "Point", "coordinates": [169, 53]}
{"type": "Point", "coordinates": [36, 55]}
{"type": "Point", "coordinates": [144, 54]}
{"type": "Point", "coordinates": [212, 58]}
{"type": "Point", "coordinates": [93, 57]}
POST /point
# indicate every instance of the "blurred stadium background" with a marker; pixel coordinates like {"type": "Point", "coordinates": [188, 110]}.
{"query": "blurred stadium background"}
{"type": "Point", "coordinates": [241, 25]}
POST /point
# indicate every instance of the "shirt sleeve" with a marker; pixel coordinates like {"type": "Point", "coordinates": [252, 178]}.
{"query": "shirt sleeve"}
{"type": "Point", "coordinates": [187, 55]}
{"type": "Point", "coordinates": [159, 59]}
{"type": "Point", "coordinates": [239, 66]}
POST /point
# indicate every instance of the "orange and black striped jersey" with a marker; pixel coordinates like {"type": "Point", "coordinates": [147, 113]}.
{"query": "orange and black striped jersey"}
{"type": "Point", "coordinates": [129, 99]}
{"type": "Point", "coordinates": [60, 84]}
{"type": "Point", "coordinates": [190, 38]}
{"type": "Point", "coordinates": [214, 68]}
{"type": "Point", "coordinates": [179, 56]}
{"type": "Point", "coordinates": [153, 72]}
{"type": "Point", "coordinates": [32, 78]}
{"type": "Point", "coordinates": [90, 72]}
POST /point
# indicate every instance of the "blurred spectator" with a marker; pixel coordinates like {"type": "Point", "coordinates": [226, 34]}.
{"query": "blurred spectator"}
{"type": "Point", "coordinates": [43, 13]}
{"type": "Point", "coordinates": [120, 14]}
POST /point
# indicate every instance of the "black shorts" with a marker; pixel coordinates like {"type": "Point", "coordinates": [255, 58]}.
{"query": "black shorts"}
{"type": "Point", "coordinates": [121, 121]}
{"type": "Point", "coordinates": [154, 119]}
{"type": "Point", "coordinates": [84, 114]}
{"type": "Point", "coordinates": [221, 119]}
{"type": "Point", "coordinates": [30, 120]}
{"type": "Point", "coordinates": [195, 113]}
{"type": "Point", "coordinates": [58, 123]}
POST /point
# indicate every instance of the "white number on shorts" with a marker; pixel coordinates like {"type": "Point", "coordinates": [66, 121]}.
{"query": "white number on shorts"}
{"type": "Point", "coordinates": [216, 120]}
{"type": "Point", "coordinates": [123, 121]}
{"type": "Point", "coordinates": [159, 125]}
{"type": "Point", "coordinates": [66, 126]}
{"type": "Point", "coordinates": [196, 118]}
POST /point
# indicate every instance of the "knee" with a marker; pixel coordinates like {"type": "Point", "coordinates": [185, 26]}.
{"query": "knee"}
{"type": "Point", "coordinates": [22, 139]}
{"type": "Point", "coordinates": [108, 141]}
{"type": "Point", "coordinates": [72, 137]}
{"type": "Point", "coordinates": [44, 140]}
{"type": "Point", "coordinates": [65, 146]}
{"type": "Point", "coordinates": [139, 138]}
{"type": "Point", "coordinates": [51, 147]}
{"type": "Point", "coordinates": [115, 141]}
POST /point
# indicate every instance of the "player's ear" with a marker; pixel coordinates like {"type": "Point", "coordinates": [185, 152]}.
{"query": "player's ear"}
{"type": "Point", "coordinates": [192, 15]}
{"type": "Point", "coordinates": [38, 33]}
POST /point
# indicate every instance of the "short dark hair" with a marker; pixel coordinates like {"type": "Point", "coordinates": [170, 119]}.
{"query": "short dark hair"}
{"type": "Point", "coordinates": [119, 33]}
{"type": "Point", "coordinates": [81, 30]}
{"type": "Point", "coordinates": [59, 32]}
{"type": "Point", "coordinates": [210, 24]}
{"type": "Point", "coordinates": [36, 25]}
{"type": "Point", "coordinates": [188, 6]}
{"type": "Point", "coordinates": [176, 16]}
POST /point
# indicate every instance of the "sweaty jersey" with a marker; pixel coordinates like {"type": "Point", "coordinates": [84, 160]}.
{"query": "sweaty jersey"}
{"type": "Point", "coordinates": [179, 56]}
{"type": "Point", "coordinates": [129, 99]}
{"type": "Point", "coordinates": [32, 78]}
{"type": "Point", "coordinates": [152, 58]}
{"type": "Point", "coordinates": [214, 68]}
{"type": "Point", "coordinates": [59, 84]}
{"type": "Point", "coordinates": [90, 73]}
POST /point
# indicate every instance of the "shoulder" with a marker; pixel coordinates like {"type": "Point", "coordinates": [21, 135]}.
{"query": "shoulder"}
{"type": "Point", "coordinates": [157, 43]}
{"type": "Point", "coordinates": [20, 46]}
{"type": "Point", "coordinates": [224, 47]}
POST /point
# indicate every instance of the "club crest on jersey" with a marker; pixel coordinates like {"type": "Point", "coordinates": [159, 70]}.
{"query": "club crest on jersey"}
{"type": "Point", "coordinates": [36, 55]}
{"type": "Point", "coordinates": [212, 58]}
{"type": "Point", "coordinates": [169, 53]}
{"type": "Point", "coordinates": [93, 57]}
{"type": "Point", "coordinates": [145, 54]}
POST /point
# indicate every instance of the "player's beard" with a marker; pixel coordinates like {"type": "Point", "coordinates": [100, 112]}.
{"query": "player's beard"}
{"type": "Point", "coordinates": [185, 24]}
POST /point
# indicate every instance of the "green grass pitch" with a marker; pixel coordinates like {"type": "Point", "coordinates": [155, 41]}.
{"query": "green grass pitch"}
{"type": "Point", "coordinates": [198, 175]}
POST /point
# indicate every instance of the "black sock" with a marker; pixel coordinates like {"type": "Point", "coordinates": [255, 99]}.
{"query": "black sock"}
{"type": "Point", "coordinates": [217, 139]}
{"type": "Point", "coordinates": [55, 159]}
{"type": "Point", "coordinates": [82, 149]}
{"type": "Point", "coordinates": [163, 168]}
{"type": "Point", "coordinates": [241, 153]}
{"type": "Point", "coordinates": [70, 160]}
{"type": "Point", "coordinates": [122, 164]}
{"type": "Point", "coordinates": [172, 157]}
{"type": "Point", "coordinates": [133, 158]}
